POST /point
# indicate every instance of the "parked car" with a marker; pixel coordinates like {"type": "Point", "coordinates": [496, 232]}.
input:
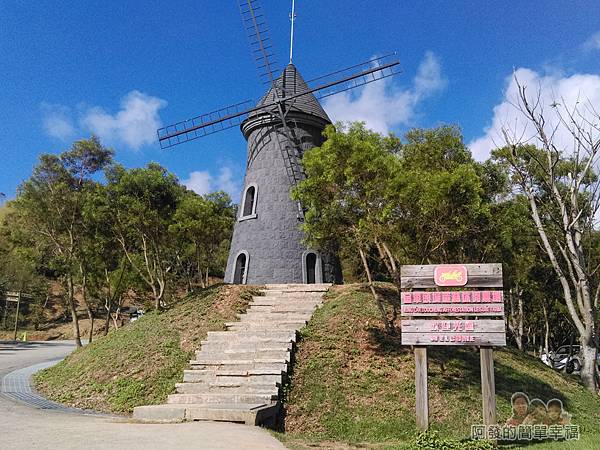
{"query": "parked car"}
{"type": "Point", "coordinates": [566, 355]}
{"type": "Point", "coordinates": [133, 313]}
{"type": "Point", "coordinates": [569, 355]}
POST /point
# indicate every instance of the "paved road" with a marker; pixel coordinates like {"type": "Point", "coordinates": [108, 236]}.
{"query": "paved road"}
{"type": "Point", "coordinates": [26, 427]}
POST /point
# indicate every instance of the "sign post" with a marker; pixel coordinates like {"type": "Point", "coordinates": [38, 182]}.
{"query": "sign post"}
{"type": "Point", "coordinates": [488, 385]}
{"type": "Point", "coordinates": [17, 315]}
{"type": "Point", "coordinates": [473, 315]}
{"type": "Point", "coordinates": [422, 395]}
{"type": "Point", "coordinates": [14, 297]}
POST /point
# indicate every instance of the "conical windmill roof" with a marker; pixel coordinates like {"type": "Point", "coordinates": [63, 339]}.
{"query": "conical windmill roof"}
{"type": "Point", "coordinates": [289, 83]}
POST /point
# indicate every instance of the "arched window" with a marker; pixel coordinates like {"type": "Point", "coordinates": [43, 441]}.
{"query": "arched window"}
{"type": "Point", "coordinates": [312, 269]}
{"type": "Point", "coordinates": [240, 271]}
{"type": "Point", "coordinates": [249, 202]}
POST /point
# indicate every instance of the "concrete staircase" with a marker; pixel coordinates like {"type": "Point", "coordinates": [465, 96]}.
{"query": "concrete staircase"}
{"type": "Point", "coordinates": [238, 374]}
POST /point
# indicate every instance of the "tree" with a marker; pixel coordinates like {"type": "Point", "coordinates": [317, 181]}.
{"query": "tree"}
{"type": "Point", "coordinates": [559, 181]}
{"type": "Point", "coordinates": [201, 225]}
{"type": "Point", "coordinates": [344, 194]}
{"type": "Point", "coordinates": [107, 269]}
{"type": "Point", "coordinates": [50, 205]}
{"type": "Point", "coordinates": [422, 201]}
{"type": "Point", "coordinates": [143, 203]}
{"type": "Point", "coordinates": [440, 200]}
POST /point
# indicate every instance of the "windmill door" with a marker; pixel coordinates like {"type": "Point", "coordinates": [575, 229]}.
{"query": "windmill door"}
{"type": "Point", "coordinates": [241, 269]}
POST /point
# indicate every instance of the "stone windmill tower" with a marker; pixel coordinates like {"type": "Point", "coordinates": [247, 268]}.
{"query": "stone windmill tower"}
{"type": "Point", "coordinates": [267, 242]}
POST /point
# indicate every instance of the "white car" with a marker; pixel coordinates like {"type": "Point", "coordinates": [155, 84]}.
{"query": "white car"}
{"type": "Point", "coordinates": [568, 356]}
{"type": "Point", "coordinates": [560, 358]}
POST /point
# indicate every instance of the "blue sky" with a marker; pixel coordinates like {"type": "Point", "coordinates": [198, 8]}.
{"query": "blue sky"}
{"type": "Point", "coordinates": [120, 69]}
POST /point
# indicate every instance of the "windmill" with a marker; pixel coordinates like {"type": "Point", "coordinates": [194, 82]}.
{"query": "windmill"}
{"type": "Point", "coordinates": [266, 246]}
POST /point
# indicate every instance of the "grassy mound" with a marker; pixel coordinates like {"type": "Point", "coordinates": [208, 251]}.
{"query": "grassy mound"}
{"type": "Point", "coordinates": [353, 383]}
{"type": "Point", "coordinates": [140, 363]}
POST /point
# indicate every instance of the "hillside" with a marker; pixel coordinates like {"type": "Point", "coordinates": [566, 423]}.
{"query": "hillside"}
{"type": "Point", "coordinates": [352, 383]}
{"type": "Point", "coordinates": [140, 363]}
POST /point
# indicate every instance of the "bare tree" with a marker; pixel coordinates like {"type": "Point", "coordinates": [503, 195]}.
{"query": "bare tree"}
{"type": "Point", "coordinates": [556, 169]}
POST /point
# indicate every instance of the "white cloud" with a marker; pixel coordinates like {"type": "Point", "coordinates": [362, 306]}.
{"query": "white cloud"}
{"type": "Point", "coordinates": [428, 80]}
{"type": "Point", "coordinates": [134, 125]}
{"type": "Point", "coordinates": [593, 42]}
{"type": "Point", "coordinates": [381, 105]}
{"type": "Point", "coordinates": [225, 182]}
{"type": "Point", "coordinates": [203, 182]}
{"type": "Point", "coordinates": [555, 89]}
{"type": "Point", "coordinates": [200, 182]}
{"type": "Point", "coordinates": [56, 120]}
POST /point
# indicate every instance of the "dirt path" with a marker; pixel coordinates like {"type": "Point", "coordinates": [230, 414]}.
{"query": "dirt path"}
{"type": "Point", "coordinates": [25, 427]}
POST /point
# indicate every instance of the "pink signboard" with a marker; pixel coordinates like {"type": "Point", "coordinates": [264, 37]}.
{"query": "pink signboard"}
{"type": "Point", "coordinates": [450, 275]}
{"type": "Point", "coordinates": [440, 309]}
{"type": "Point", "coordinates": [454, 297]}
{"type": "Point", "coordinates": [453, 332]}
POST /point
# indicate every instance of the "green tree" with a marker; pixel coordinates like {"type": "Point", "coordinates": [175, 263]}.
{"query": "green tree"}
{"type": "Point", "coordinates": [345, 193]}
{"type": "Point", "coordinates": [50, 205]}
{"type": "Point", "coordinates": [440, 203]}
{"type": "Point", "coordinates": [144, 202]}
{"type": "Point", "coordinates": [201, 226]}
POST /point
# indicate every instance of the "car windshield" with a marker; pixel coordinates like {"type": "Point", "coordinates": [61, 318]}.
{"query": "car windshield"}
{"type": "Point", "coordinates": [565, 349]}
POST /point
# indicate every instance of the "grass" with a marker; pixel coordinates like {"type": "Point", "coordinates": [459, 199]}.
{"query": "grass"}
{"type": "Point", "coordinates": [353, 384]}
{"type": "Point", "coordinates": [140, 363]}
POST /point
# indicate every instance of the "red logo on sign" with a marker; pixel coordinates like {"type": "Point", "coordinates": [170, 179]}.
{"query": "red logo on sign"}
{"type": "Point", "coordinates": [450, 275]}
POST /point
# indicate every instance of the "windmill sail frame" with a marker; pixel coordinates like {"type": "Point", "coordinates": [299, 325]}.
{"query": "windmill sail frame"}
{"type": "Point", "coordinates": [191, 129]}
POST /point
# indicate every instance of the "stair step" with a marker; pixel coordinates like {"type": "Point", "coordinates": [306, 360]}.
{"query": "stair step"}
{"type": "Point", "coordinates": [254, 326]}
{"type": "Point", "coordinates": [235, 367]}
{"type": "Point", "coordinates": [277, 314]}
{"type": "Point", "coordinates": [230, 376]}
{"type": "Point", "coordinates": [291, 297]}
{"type": "Point", "coordinates": [281, 309]}
{"type": "Point", "coordinates": [243, 346]}
{"type": "Point", "coordinates": [221, 398]}
{"type": "Point", "coordinates": [220, 388]}
{"type": "Point", "coordinates": [220, 361]}
{"type": "Point", "coordinates": [237, 355]}
{"type": "Point", "coordinates": [268, 323]}
{"type": "Point", "coordinates": [248, 413]}
{"type": "Point", "coordinates": [320, 287]}
{"type": "Point", "coordinates": [273, 318]}
{"type": "Point", "coordinates": [253, 335]}
{"type": "Point", "coordinates": [261, 380]}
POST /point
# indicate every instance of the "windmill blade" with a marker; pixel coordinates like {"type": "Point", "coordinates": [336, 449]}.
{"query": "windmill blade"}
{"type": "Point", "coordinates": [291, 153]}
{"type": "Point", "coordinates": [231, 116]}
{"type": "Point", "coordinates": [356, 76]}
{"type": "Point", "coordinates": [200, 126]}
{"type": "Point", "coordinates": [260, 42]}
{"type": "Point", "coordinates": [373, 70]}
